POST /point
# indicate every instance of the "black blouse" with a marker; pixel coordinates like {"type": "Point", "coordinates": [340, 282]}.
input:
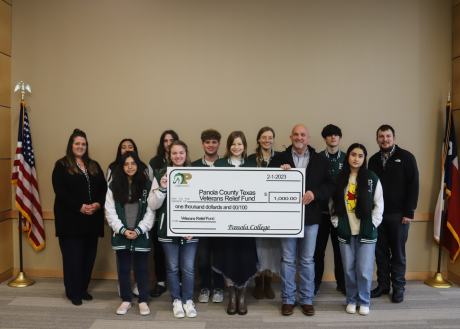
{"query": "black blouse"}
{"type": "Point", "coordinates": [71, 193]}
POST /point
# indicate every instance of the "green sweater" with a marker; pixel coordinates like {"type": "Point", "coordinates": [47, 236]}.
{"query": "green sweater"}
{"type": "Point", "coordinates": [253, 158]}
{"type": "Point", "coordinates": [336, 167]}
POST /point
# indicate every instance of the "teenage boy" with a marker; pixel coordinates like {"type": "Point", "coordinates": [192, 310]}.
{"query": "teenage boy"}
{"type": "Point", "coordinates": [332, 135]}
{"type": "Point", "coordinates": [398, 173]}
{"type": "Point", "coordinates": [210, 141]}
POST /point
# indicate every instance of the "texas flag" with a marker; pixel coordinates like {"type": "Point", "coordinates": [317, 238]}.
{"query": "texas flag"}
{"type": "Point", "coordinates": [451, 189]}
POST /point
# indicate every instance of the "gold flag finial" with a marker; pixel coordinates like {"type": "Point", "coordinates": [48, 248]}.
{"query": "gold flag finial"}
{"type": "Point", "coordinates": [23, 86]}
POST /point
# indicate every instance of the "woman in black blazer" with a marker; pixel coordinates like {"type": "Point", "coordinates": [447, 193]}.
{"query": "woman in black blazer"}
{"type": "Point", "coordinates": [80, 188]}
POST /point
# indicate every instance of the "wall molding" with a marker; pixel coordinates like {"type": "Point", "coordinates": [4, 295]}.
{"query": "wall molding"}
{"type": "Point", "coordinates": [452, 277]}
{"type": "Point", "coordinates": [6, 275]}
{"type": "Point", "coordinates": [418, 217]}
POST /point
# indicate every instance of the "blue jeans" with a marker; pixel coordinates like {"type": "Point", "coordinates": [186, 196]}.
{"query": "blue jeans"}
{"type": "Point", "coordinates": [358, 265]}
{"type": "Point", "coordinates": [203, 255]}
{"type": "Point", "coordinates": [304, 249]}
{"type": "Point", "coordinates": [180, 257]}
{"type": "Point", "coordinates": [139, 261]}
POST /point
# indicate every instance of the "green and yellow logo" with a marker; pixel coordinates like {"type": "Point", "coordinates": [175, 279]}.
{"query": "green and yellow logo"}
{"type": "Point", "coordinates": [181, 178]}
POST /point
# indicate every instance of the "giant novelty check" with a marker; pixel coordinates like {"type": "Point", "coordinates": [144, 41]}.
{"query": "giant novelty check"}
{"type": "Point", "coordinates": [257, 202]}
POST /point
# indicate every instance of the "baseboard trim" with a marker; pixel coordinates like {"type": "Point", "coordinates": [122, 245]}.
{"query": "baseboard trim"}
{"type": "Point", "coordinates": [453, 277]}
{"type": "Point", "coordinates": [112, 275]}
{"type": "Point", "coordinates": [6, 275]}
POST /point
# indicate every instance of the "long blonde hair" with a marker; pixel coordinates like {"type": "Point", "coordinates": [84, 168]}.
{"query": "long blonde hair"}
{"type": "Point", "coordinates": [258, 149]}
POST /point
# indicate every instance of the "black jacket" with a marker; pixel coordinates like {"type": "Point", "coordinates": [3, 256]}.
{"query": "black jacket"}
{"type": "Point", "coordinates": [71, 193]}
{"type": "Point", "coordinates": [399, 181]}
{"type": "Point", "coordinates": [319, 180]}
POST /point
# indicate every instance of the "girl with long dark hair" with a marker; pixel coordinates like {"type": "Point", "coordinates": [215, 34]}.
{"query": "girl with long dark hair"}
{"type": "Point", "coordinates": [131, 219]}
{"type": "Point", "coordinates": [268, 249]}
{"type": "Point", "coordinates": [179, 251]}
{"type": "Point", "coordinates": [236, 257]}
{"type": "Point", "coordinates": [357, 210]}
{"type": "Point", "coordinates": [80, 188]}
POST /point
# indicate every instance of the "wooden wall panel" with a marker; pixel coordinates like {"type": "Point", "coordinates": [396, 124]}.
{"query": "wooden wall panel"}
{"type": "Point", "coordinates": [5, 80]}
{"type": "Point", "coordinates": [5, 185]}
{"type": "Point", "coordinates": [6, 245]}
{"type": "Point", "coordinates": [5, 28]}
{"type": "Point", "coordinates": [456, 83]}
{"type": "Point", "coordinates": [456, 32]}
{"type": "Point", "coordinates": [5, 132]}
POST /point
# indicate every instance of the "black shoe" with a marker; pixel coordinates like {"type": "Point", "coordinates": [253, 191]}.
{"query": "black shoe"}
{"type": "Point", "coordinates": [377, 292]}
{"type": "Point", "coordinates": [398, 296]}
{"type": "Point", "coordinates": [76, 301]}
{"type": "Point", "coordinates": [341, 289]}
{"type": "Point", "coordinates": [316, 291]}
{"type": "Point", "coordinates": [158, 291]}
{"type": "Point", "coordinates": [87, 297]}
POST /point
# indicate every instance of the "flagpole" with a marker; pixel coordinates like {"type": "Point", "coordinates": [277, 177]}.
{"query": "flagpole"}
{"type": "Point", "coordinates": [438, 281]}
{"type": "Point", "coordinates": [21, 280]}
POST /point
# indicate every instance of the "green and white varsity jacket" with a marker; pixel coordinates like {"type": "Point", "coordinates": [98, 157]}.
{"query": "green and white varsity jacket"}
{"type": "Point", "coordinates": [201, 162]}
{"type": "Point", "coordinates": [152, 170]}
{"type": "Point", "coordinates": [115, 214]}
{"type": "Point", "coordinates": [253, 158]}
{"type": "Point", "coordinates": [336, 166]}
{"type": "Point", "coordinates": [368, 225]}
{"type": "Point", "coordinates": [227, 162]}
{"type": "Point", "coordinates": [157, 202]}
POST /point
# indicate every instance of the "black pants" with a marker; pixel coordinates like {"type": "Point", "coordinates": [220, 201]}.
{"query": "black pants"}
{"type": "Point", "coordinates": [390, 252]}
{"type": "Point", "coordinates": [78, 256]}
{"type": "Point", "coordinates": [325, 228]}
{"type": "Point", "coordinates": [138, 260]}
{"type": "Point", "coordinates": [158, 255]}
{"type": "Point", "coordinates": [203, 255]}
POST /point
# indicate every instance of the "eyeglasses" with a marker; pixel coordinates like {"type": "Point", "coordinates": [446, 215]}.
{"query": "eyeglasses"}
{"type": "Point", "coordinates": [132, 164]}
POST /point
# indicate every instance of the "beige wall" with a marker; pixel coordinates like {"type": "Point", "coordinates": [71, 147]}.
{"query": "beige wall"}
{"type": "Point", "coordinates": [121, 69]}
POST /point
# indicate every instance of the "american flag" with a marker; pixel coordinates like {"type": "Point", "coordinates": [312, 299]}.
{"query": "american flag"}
{"type": "Point", "coordinates": [25, 178]}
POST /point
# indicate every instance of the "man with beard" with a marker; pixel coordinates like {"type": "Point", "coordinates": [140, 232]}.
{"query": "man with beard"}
{"type": "Point", "coordinates": [210, 141]}
{"type": "Point", "coordinates": [398, 174]}
{"type": "Point", "coordinates": [319, 186]}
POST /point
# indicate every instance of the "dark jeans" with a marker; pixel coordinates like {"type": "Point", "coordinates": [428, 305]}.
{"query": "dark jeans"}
{"type": "Point", "coordinates": [326, 228]}
{"type": "Point", "coordinates": [78, 256]}
{"type": "Point", "coordinates": [390, 252]}
{"type": "Point", "coordinates": [139, 261]}
{"type": "Point", "coordinates": [158, 255]}
{"type": "Point", "coordinates": [203, 254]}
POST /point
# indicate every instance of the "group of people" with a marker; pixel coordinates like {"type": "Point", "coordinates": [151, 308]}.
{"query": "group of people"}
{"type": "Point", "coordinates": [366, 208]}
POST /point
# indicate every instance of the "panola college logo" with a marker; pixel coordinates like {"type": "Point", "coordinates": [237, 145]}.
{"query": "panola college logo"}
{"type": "Point", "coordinates": [181, 178]}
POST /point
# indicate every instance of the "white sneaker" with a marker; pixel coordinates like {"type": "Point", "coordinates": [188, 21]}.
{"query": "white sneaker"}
{"type": "Point", "coordinates": [218, 296]}
{"type": "Point", "coordinates": [189, 308]}
{"type": "Point", "coordinates": [144, 309]}
{"type": "Point", "coordinates": [351, 308]}
{"type": "Point", "coordinates": [124, 307]}
{"type": "Point", "coordinates": [135, 290]}
{"type": "Point", "coordinates": [177, 309]}
{"type": "Point", "coordinates": [364, 310]}
{"type": "Point", "coordinates": [204, 296]}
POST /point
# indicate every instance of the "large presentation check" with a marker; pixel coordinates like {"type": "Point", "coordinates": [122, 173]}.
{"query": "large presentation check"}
{"type": "Point", "coordinates": [257, 202]}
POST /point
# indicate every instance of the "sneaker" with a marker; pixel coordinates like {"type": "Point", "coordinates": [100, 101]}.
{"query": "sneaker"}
{"type": "Point", "coordinates": [177, 309]}
{"type": "Point", "coordinates": [189, 309]}
{"type": "Point", "coordinates": [218, 296]}
{"type": "Point", "coordinates": [351, 308]}
{"type": "Point", "coordinates": [135, 290]}
{"type": "Point", "coordinates": [158, 290]}
{"type": "Point", "coordinates": [124, 307]}
{"type": "Point", "coordinates": [364, 310]}
{"type": "Point", "coordinates": [144, 309]}
{"type": "Point", "coordinates": [204, 296]}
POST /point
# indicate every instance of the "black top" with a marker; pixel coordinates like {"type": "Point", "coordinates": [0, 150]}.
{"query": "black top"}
{"type": "Point", "coordinates": [71, 193]}
{"type": "Point", "coordinates": [319, 180]}
{"type": "Point", "coordinates": [399, 181]}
